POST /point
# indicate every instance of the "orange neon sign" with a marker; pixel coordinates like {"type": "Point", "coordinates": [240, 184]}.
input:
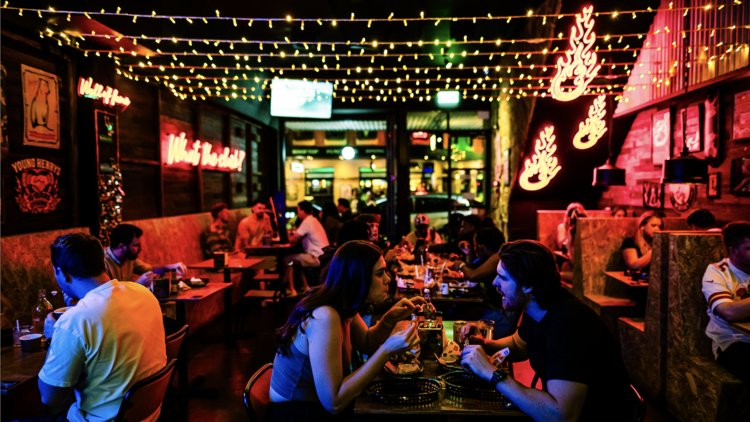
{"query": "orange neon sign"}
{"type": "Point", "coordinates": [200, 153]}
{"type": "Point", "coordinates": [108, 95]}
{"type": "Point", "coordinates": [594, 127]}
{"type": "Point", "coordinates": [543, 163]}
{"type": "Point", "coordinates": [579, 62]}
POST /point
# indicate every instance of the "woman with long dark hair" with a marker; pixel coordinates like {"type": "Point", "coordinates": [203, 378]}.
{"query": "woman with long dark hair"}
{"type": "Point", "coordinates": [311, 375]}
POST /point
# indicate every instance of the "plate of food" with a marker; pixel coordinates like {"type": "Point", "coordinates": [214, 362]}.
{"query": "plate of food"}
{"type": "Point", "coordinates": [404, 369]}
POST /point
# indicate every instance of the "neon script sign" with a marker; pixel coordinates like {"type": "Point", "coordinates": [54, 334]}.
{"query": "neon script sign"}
{"type": "Point", "coordinates": [579, 62]}
{"type": "Point", "coordinates": [200, 153]}
{"type": "Point", "coordinates": [594, 127]}
{"type": "Point", "coordinates": [543, 163]}
{"type": "Point", "coordinates": [108, 95]}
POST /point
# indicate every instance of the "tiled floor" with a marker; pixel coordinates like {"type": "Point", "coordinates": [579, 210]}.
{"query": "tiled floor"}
{"type": "Point", "coordinates": [226, 369]}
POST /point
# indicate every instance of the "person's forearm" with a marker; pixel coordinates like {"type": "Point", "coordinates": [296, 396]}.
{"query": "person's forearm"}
{"type": "Point", "coordinates": [538, 404]}
{"type": "Point", "coordinates": [354, 384]}
{"type": "Point", "coordinates": [377, 335]}
{"type": "Point", "coordinates": [734, 311]}
{"type": "Point", "coordinates": [641, 262]}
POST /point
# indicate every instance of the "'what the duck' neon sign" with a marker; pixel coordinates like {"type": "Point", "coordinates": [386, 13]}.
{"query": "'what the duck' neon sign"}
{"type": "Point", "coordinates": [199, 152]}
{"type": "Point", "coordinates": [108, 95]}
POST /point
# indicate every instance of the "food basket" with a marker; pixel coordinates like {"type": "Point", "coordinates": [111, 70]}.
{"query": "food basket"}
{"type": "Point", "coordinates": [409, 375]}
{"type": "Point", "coordinates": [405, 391]}
{"type": "Point", "coordinates": [466, 384]}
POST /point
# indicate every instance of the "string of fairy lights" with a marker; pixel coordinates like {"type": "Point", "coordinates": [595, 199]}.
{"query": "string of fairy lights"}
{"type": "Point", "coordinates": [374, 88]}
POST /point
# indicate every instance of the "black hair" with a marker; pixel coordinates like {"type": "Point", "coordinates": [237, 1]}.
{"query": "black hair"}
{"type": "Point", "coordinates": [367, 218]}
{"type": "Point", "coordinates": [353, 230]}
{"type": "Point", "coordinates": [123, 234]}
{"type": "Point", "coordinates": [474, 220]}
{"type": "Point", "coordinates": [702, 219]}
{"type": "Point", "coordinates": [79, 254]}
{"type": "Point", "coordinates": [491, 237]}
{"type": "Point", "coordinates": [532, 265]}
{"type": "Point", "coordinates": [344, 203]}
{"type": "Point", "coordinates": [617, 208]}
{"type": "Point", "coordinates": [735, 233]}
{"type": "Point", "coordinates": [306, 206]}
{"type": "Point", "coordinates": [487, 222]}
{"type": "Point", "coordinates": [371, 209]}
{"type": "Point", "coordinates": [329, 210]}
{"type": "Point", "coordinates": [256, 202]}
{"type": "Point", "coordinates": [216, 209]}
{"type": "Point", "coordinates": [345, 289]}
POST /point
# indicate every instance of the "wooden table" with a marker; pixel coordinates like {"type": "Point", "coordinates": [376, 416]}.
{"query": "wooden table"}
{"type": "Point", "coordinates": [277, 250]}
{"type": "Point", "coordinates": [446, 404]}
{"type": "Point", "coordinates": [20, 366]}
{"type": "Point", "coordinates": [739, 326]}
{"type": "Point", "coordinates": [439, 298]}
{"type": "Point", "coordinates": [234, 264]}
{"type": "Point", "coordinates": [620, 276]}
{"type": "Point", "coordinates": [197, 294]}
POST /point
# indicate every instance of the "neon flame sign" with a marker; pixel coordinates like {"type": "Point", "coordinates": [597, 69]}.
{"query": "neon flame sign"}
{"type": "Point", "coordinates": [197, 153]}
{"type": "Point", "coordinates": [108, 95]}
{"type": "Point", "coordinates": [594, 127]}
{"type": "Point", "coordinates": [579, 62]}
{"type": "Point", "coordinates": [542, 164]}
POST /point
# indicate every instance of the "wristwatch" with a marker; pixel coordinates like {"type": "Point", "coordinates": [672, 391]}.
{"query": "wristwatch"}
{"type": "Point", "coordinates": [498, 376]}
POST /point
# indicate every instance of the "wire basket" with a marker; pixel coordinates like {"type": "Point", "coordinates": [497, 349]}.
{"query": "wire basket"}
{"type": "Point", "coordinates": [450, 367]}
{"type": "Point", "coordinates": [466, 384]}
{"type": "Point", "coordinates": [405, 390]}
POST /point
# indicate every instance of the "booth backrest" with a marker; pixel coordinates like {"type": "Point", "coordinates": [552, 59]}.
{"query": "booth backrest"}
{"type": "Point", "coordinates": [178, 239]}
{"type": "Point", "coordinates": [548, 220]}
{"type": "Point", "coordinates": [690, 253]}
{"type": "Point", "coordinates": [27, 268]}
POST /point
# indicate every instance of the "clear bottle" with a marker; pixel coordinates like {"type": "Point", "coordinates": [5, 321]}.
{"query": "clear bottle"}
{"type": "Point", "coordinates": [40, 312]}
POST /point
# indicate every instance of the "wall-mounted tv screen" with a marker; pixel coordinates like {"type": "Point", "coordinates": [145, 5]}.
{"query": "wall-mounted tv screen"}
{"type": "Point", "coordinates": [295, 98]}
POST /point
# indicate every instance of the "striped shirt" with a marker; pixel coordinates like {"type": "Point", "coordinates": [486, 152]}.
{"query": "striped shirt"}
{"type": "Point", "coordinates": [216, 241]}
{"type": "Point", "coordinates": [723, 283]}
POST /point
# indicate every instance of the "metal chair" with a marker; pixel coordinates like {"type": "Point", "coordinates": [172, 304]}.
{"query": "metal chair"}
{"type": "Point", "coordinates": [640, 405]}
{"type": "Point", "coordinates": [145, 396]}
{"type": "Point", "coordinates": [257, 391]}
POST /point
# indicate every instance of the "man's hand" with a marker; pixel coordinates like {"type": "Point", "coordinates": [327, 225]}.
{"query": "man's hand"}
{"type": "Point", "coordinates": [464, 246]}
{"type": "Point", "coordinates": [471, 332]}
{"type": "Point", "coordinates": [391, 254]}
{"type": "Point", "coordinates": [474, 359]}
{"type": "Point", "coordinates": [403, 309]}
{"type": "Point", "coordinates": [146, 279]}
{"type": "Point", "coordinates": [49, 326]}
{"type": "Point", "coordinates": [70, 301]}
{"type": "Point", "coordinates": [180, 268]}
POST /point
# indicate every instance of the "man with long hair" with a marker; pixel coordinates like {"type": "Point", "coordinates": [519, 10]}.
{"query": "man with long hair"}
{"type": "Point", "coordinates": [568, 346]}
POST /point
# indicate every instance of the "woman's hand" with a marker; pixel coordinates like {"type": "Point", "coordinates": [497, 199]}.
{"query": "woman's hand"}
{"type": "Point", "coordinates": [403, 309]}
{"type": "Point", "coordinates": [402, 341]}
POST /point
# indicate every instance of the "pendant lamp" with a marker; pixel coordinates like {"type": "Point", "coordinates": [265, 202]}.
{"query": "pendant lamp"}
{"type": "Point", "coordinates": [685, 168]}
{"type": "Point", "coordinates": [608, 174]}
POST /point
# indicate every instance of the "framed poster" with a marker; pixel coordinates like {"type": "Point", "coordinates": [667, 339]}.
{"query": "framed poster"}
{"type": "Point", "coordinates": [740, 182]}
{"type": "Point", "coordinates": [693, 129]}
{"type": "Point", "coordinates": [711, 128]}
{"type": "Point", "coordinates": [714, 185]}
{"type": "Point", "coordinates": [506, 167]}
{"type": "Point", "coordinates": [682, 196]}
{"type": "Point", "coordinates": [107, 142]}
{"type": "Point", "coordinates": [661, 136]}
{"type": "Point", "coordinates": [41, 105]}
{"type": "Point", "coordinates": [741, 121]}
{"type": "Point", "coordinates": [653, 195]}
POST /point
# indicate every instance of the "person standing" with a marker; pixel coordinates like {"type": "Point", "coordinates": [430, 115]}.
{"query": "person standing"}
{"type": "Point", "coordinates": [216, 236]}
{"type": "Point", "coordinates": [252, 228]}
{"type": "Point", "coordinates": [110, 340]}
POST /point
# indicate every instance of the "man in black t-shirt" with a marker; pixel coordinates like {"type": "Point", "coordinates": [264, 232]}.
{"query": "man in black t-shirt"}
{"type": "Point", "coordinates": [568, 346]}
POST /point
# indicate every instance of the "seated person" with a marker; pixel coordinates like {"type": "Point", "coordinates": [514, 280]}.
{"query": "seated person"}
{"type": "Point", "coordinates": [110, 340]}
{"type": "Point", "coordinates": [567, 344]}
{"type": "Point", "coordinates": [423, 231]}
{"type": "Point", "coordinates": [725, 287]}
{"type": "Point", "coordinates": [216, 237]}
{"type": "Point", "coordinates": [374, 211]}
{"type": "Point", "coordinates": [252, 228]}
{"type": "Point", "coordinates": [344, 207]}
{"type": "Point", "coordinates": [351, 230]}
{"type": "Point", "coordinates": [566, 231]}
{"type": "Point", "coordinates": [331, 222]}
{"type": "Point", "coordinates": [373, 226]}
{"type": "Point", "coordinates": [618, 211]}
{"type": "Point", "coordinates": [636, 250]}
{"type": "Point", "coordinates": [487, 222]}
{"type": "Point", "coordinates": [311, 375]}
{"type": "Point", "coordinates": [121, 257]}
{"type": "Point", "coordinates": [702, 220]}
{"type": "Point", "coordinates": [310, 234]}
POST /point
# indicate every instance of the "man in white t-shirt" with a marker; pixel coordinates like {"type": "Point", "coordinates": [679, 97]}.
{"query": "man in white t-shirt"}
{"type": "Point", "coordinates": [110, 340]}
{"type": "Point", "coordinates": [423, 231]}
{"type": "Point", "coordinates": [725, 287]}
{"type": "Point", "coordinates": [311, 235]}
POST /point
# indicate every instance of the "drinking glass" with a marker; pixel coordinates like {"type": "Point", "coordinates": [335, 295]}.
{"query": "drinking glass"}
{"type": "Point", "coordinates": [24, 330]}
{"type": "Point", "coordinates": [486, 328]}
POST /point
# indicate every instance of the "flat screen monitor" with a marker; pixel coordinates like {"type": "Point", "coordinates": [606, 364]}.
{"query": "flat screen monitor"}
{"type": "Point", "coordinates": [278, 207]}
{"type": "Point", "coordinates": [295, 98]}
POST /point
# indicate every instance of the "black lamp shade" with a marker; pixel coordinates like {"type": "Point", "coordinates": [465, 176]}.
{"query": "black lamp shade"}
{"type": "Point", "coordinates": [608, 175]}
{"type": "Point", "coordinates": [685, 169]}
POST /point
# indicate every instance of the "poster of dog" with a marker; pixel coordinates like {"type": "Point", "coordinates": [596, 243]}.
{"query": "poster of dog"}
{"type": "Point", "coordinates": [41, 108]}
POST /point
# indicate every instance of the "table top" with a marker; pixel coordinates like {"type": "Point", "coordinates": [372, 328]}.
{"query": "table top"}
{"type": "Point", "coordinates": [741, 326]}
{"type": "Point", "coordinates": [439, 298]}
{"type": "Point", "coordinates": [620, 276]}
{"type": "Point", "coordinates": [275, 247]}
{"type": "Point", "coordinates": [233, 264]}
{"type": "Point", "coordinates": [20, 366]}
{"type": "Point", "coordinates": [446, 404]}
{"type": "Point", "coordinates": [196, 293]}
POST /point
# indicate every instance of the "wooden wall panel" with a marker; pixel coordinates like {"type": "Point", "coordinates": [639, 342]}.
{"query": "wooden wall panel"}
{"type": "Point", "coordinates": [137, 124]}
{"type": "Point", "coordinates": [239, 187]}
{"type": "Point", "coordinates": [180, 192]}
{"type": "Point", "coordinates": [141, 191]}
{"type": "Point", "coordinates": [212, 127]}
{"type": "Point", "coordinates": [213, 188]}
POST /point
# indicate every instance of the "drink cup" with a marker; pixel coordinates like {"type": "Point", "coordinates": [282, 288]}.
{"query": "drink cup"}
{"type": "Point", "coordinates": [57, 313]}
{"type": "Point", "coordinates": [458, 328]}
{"type": "Point", "coordinates": [486, 328]}
{"type": "Point", "coordinates": [31, 343]}
{"type": "Point", "coordinates": [18, 332]}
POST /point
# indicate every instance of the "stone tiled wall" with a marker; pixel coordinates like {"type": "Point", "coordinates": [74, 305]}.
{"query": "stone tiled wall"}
{"type": "Point", "coordinates": [27, 268]}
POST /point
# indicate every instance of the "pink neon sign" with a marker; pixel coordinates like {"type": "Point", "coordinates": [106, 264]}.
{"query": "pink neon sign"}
{"type": "Point", "coordinates": [200, 153]}
{"type": "Point", "coordinates": [108, 95]}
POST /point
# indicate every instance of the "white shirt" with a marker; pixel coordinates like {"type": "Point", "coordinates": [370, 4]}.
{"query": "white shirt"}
{"type": "Point", "coordinates": [112, 339]}
{"type": "Point", "coordinates": [723, 283]}
{"type": "Point", "coordinates": [315, 238]}
{"type": "Point", "coordinates": [433, 237]}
